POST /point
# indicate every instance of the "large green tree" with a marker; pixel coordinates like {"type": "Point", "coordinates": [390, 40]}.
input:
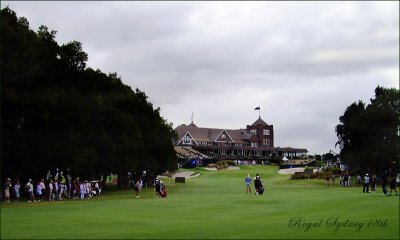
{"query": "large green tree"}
{"type": "Point", "coordinates": [58, 113]}
{"type": "Point", "coordinates": [368, 135]}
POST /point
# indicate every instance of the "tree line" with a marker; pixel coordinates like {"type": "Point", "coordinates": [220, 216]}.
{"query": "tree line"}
{"type": "Point", "coordinates": [58, 113]}
{"type": "Point", "coordinates": [369, 134]}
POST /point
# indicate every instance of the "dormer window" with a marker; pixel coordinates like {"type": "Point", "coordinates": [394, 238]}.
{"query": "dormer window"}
{"type": "Point", "coordinates": [187, 140]}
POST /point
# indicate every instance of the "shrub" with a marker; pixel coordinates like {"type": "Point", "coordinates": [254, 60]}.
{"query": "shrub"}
{"type": "Point", "coordinates": [231, 163]}
{"type": "Point", "coordinates": [319, 175]}
{"type": "Point", "coordinates": [212, 165]}
{"type": "Point", "coordinates": [222, 165]}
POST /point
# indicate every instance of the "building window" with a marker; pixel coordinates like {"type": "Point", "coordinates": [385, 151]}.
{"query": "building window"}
{"type": "Point", "coordinates": [267, 142]}
{"type": "Point", "coordinates": [253, 132]}
{"type": "Point", "coordinates": [187, 140]}
{"type": "Point", "coordinates": [266, 132]}
{"type": "Point", "coordinates": [223, 135]}
{"type": "Point", "coordinates": [254, 144]}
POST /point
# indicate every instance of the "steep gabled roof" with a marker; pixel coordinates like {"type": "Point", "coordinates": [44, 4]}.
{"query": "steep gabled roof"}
{"type": "Point", "coordinates": [192, 124]}
{"type": "Point", "coordinates": [208, 134]}
{"type": "Point", "coordinates": [224, 131]}
{"type": "Point", "coordinates": [187, 133]}
{"type": "Point", "coordinates": [259, 122]}
{"type": "Point", "coordinates": [200, 134]}
{"type": "Point", "coordinates": [236, 135]}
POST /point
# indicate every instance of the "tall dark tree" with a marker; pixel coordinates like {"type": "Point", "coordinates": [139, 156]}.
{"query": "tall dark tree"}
{"type": "Point", "coordinates": [368, 136]}
{"type": "Point", "coordinates": [57, 113]}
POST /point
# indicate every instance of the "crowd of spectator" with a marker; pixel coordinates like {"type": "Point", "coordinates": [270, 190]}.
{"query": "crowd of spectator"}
{"type": "Point", "coordinates": [368, 182]}
{"type": "Point", "coordinates": [51, 188]}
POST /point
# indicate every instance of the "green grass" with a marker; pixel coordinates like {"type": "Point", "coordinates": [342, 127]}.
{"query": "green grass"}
{"type": "Point", "coordinates": [212, 206]}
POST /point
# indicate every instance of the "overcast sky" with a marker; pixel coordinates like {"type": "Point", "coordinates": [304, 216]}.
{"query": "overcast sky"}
{"type": "Point", "coordinates": [303, 63]}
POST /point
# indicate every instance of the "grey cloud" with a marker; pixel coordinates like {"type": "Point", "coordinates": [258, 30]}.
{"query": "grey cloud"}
{"type": "Point", "coordinates": [302, 62]}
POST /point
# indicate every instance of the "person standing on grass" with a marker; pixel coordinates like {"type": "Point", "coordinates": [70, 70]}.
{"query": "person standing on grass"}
{"type": "Point", "coordinates": [29, 191]}
{"type": "Point", "coordinates": [346, 180]}
{"type": "Point", "coordinates": [257, 184]}
{"type": "Point", "coordinates": [69, 186]}
{"type": "Point", "coordinates": [39, 191]}
{"type": "Point", "coordinates": [373, 183]}
{"type": "Point", "coordinates": [366, 183]}
{"type": "Point", "coordinates": [82, 190]}
{"type": "Point", "coordinates": [76, 189]}
{"type": "Point", "coordinates": [51, 191]}
{"type": "Point", "coordinates": [88, 189]}
{"type": "Point", "coordinates": [350, 181]}
{"type": "Point", "coordinates": [60, 189]}
{"type": "Point", "coordinates": [17, 188]}
{"type": "Point", "coordinates": [137, 188]}
{"type": "Point", "coordinates": [55, 189]}
{"type": "Point", "coordinates": [97, 188]}
{"type": "Point", "coordinates": [7, 186]}
{"type": "Point", "coordinates": [247, 180]}
{"type": "Point", "coordinates": [160, 188]}
{"type": "Point", "coordinates": [358, 180]}
{"type": "Point", "coordinates": [163, 190]}
{"type": "Point", "coordinates": [43, 186]}
{"type": "Point", "coordinates": [392, 181]}
{"type": "Point", "coordinates": [384, 181]}
{"type": "Point", "coordinates": [157, 185]}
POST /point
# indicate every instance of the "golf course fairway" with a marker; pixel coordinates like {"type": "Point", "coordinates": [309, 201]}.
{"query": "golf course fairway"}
{"type": "Point", "coordinates": [213, 206]}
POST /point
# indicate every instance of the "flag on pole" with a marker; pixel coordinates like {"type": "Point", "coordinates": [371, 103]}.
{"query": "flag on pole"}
{"type": "Point", "coordinates": [257, 108]}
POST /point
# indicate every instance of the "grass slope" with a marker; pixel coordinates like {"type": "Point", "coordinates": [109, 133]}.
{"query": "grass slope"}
{"type": "Point", "coordinates": [212, 206]}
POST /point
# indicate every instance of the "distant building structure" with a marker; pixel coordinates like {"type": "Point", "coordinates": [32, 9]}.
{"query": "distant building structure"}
{"type": "Point", "coordinates": [257, 140]}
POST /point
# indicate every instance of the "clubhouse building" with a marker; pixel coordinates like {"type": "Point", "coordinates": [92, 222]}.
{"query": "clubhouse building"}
{"type": "Point", "coordinates": [257, 140]}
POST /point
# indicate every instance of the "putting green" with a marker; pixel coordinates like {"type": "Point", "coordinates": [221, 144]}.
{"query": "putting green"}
{"type": "Point", "coordinates": [213, 206]}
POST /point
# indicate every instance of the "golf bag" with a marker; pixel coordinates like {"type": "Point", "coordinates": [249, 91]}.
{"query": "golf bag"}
{"type": "Point", "coordinates": [261, 190]}
{"type": "Point", "coordinates": [163, 192]}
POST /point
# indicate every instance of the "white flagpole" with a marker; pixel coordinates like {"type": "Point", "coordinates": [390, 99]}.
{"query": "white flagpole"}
{"type": "Point", "coordinates": [259, 111]}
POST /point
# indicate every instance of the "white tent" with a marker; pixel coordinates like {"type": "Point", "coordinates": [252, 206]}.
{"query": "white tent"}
{"type": "Point", "coordinates": [285, 159]}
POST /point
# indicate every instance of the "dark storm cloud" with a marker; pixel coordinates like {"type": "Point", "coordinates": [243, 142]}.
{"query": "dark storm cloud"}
{"type": "Point", "coordinates": [302, 62]}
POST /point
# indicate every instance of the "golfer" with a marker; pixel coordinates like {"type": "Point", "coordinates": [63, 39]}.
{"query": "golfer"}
{"type": "Point", "coordinates": [157, 185]}
{"type": "Point", "coordinates": [258, 185]}
{"type": "Point", "coordinates": [247, 180]}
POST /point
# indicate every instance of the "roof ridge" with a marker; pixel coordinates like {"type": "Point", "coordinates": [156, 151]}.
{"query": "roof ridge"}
{"type": "Point", "coordinates": [259, 121]}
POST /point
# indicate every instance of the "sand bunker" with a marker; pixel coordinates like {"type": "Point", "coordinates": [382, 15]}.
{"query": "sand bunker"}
{"type": "Point", "coordinates": [229, 168]}
{"type": "Point", "coordinates": [292, 170]}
